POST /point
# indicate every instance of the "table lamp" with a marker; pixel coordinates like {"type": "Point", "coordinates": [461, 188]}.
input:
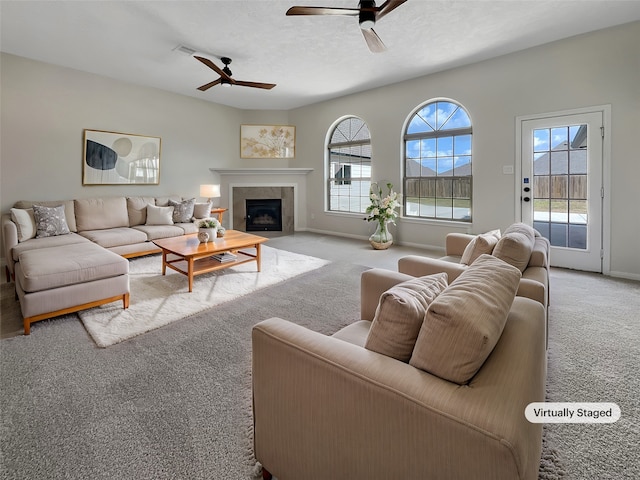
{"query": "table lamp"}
{"type": "Point", "coordinates": [210, 191]}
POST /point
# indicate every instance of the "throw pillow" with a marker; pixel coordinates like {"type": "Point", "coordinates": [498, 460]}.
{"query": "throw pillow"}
{"type": "Point", "coordinates": [400, 313]}
{"type": "Point", "coordinates": [202, 210]}
{"type": "Point", "coordinates": [464, 323]}
{"type": "Point", "coordinates": [480, 245]}
{"type": "Point", "coordinates": [159, 215]}
{"type": "Point", "coordinates": [50, 221]}
{"type": "Point", "coordinates": [520, 227]}
{"type": "Point", "coordinates": [182, 211]}
{"type": "Point", "coordinates": [137, 209]}
{"type": "Point", "coordinates": [25, 223]}
{"type": "Point", "coordinates": [69, 209]}
{"type": "Point", "coordinates": [515, 248]}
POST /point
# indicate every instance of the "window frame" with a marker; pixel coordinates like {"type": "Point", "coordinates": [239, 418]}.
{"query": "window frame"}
{"type": "Point", "coordinates": [436, 134]}
{"type": "Point", "coordinates": [346, 181]}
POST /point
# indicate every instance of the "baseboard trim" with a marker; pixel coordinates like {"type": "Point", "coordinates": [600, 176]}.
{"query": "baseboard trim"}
{"type": "Point", "coordinates": [421, 246]}
{"type": "Point", "coordinates": [625, 275]}
{"type": "Point", "coordinates": [336, 234]}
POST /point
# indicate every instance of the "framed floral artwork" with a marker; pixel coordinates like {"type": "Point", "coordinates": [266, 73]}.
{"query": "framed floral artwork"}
{"type": "Point", "coordinates": [267, 141]}
{"type": "Point", "coordinates": [112, 158]}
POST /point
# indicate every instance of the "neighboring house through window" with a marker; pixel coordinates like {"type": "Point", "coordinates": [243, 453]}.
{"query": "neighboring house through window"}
{"type": "Point", "coordinates": [349, 172]}
{"type": "Point", "coordinates": [437, 163]}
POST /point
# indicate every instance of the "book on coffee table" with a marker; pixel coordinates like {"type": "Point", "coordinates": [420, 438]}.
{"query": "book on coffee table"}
{"type": "Point", "coordinates": [225, 257]}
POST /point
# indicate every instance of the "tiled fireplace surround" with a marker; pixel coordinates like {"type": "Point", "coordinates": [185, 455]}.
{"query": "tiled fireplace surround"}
{"type": "Point", "coordinates": [241, 194]}
{"type": "Point", "coordinates": [239, 184]}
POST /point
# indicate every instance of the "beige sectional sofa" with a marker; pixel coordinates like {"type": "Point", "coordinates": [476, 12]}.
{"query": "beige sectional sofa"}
{"type": "Point", "coordinates": [70, 255]}
{"type": "Point", "coordinates": [431, 384]}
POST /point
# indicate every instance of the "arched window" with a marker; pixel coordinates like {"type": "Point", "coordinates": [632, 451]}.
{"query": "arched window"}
{"type": "Point", "coordinates": [349, 172]}
{"type": "Point", "coordinates": [437, 163]}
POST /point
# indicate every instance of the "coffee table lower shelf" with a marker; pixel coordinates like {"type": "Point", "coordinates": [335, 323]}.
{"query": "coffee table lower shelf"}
{"type": "Point", "coordinates": [186, 255]}
{"type": "Point", "coordinates": [207, 264]}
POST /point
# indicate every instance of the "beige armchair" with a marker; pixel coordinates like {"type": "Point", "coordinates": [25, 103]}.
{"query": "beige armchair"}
{"type": "Point", "coordinates": [325, 407]}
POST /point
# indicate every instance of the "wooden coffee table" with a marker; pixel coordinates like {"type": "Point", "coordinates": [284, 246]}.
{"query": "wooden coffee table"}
{"type": "Point", "coordinates": [186, 255]}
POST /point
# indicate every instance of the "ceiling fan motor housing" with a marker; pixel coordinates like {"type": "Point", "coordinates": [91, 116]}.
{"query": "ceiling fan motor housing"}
{"type": "Point", "coordinates": [367, 15]}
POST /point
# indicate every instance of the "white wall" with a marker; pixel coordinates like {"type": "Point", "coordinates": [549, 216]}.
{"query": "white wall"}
{"type": "Point", "coordinates": [594, 69]}
{"type": "Point", "coordinates": [45, 109]}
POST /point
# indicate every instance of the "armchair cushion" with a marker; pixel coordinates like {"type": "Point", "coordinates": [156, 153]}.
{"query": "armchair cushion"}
{"type": "Point", "coordinates": [464, 323]}
{"type": "Point", "coordinates": [400, 314]}
{"type": "Point", "coordinates": [480, 245]}
{"type": "Point", "coordinates": [515, 248]}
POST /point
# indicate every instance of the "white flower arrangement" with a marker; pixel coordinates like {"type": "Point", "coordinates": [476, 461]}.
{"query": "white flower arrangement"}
{"type": "Point", "coordinates": [382, 209]}
{"type": "Point", "coordinates": [209, 223]}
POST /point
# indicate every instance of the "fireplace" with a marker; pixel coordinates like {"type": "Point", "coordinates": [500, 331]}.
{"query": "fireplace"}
{"type": "Point", "coordinates": [264, 215]}
{"type": "Point", "coordinates": [240, 195]}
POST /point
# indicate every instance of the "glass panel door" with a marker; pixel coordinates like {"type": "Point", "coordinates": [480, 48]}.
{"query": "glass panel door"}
{"type": "Point", "coordinates": [562, 184]}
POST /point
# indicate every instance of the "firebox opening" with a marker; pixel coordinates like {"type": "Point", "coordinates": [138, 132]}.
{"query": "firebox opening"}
{"type": "Point", "coordinates": [264, 215]}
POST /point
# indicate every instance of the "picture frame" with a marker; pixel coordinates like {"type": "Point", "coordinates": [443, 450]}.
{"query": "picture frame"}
{"type": "Point", "coordinates": [267, 141]}
{"type": "Point", "coordinates": [114, 158]}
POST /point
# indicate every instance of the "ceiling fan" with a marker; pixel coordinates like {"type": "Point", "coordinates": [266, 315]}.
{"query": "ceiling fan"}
{"type": "Point", "coordinates": [367, 14]}
{"type": "Point", "coordinates": [225, 76]}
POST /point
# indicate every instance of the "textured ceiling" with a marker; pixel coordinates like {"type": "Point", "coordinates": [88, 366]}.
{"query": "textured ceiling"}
{"type": "Point", "coordinates": [309, 58]}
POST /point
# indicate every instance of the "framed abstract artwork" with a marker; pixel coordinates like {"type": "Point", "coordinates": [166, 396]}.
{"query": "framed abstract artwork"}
{"type": "Point", "coordinates": [112, 158]}
{"type": "Point", "coordinates": [267, 141]}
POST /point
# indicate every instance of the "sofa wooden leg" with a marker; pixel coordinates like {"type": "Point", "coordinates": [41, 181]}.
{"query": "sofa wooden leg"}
{"type": "Point", "coordinates": [266, 475]}
{"type": "Point", "coordinates": [125, 300]}
{"type": "Point", "coordinates": [27, 326]}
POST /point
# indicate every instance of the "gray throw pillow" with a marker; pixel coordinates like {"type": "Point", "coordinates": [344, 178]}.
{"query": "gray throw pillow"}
{"type": "Point", "coordinates": [50, 221]}
{"type": "Point", "coordinates": [182, 211]}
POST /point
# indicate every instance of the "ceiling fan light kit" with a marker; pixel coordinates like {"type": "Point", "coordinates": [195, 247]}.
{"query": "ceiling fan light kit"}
{"type": "Point", "coordinates": [367, 12]}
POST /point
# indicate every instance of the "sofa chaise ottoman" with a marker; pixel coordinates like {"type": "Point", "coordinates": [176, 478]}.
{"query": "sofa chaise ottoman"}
{"type": "Point", "coordinates": [67, 278]}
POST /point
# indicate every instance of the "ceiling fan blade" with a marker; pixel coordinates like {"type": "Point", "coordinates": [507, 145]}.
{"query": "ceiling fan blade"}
{"type": "Point", "coordinates": [388, 7]}
{"type": "Point", "coordinates": [212, 66]}
{"type": "Point", "coordinates": [375, 44]}
{"type": "Point", "coordinates": [266, 86]}
{"type": "Point", "coordinates": [322, 11]}
{"type": "Point", "coordinates": [207, 86]}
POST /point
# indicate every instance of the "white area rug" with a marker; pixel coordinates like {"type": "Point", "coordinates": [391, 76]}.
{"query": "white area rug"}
{"type": "Point", "coordinates": [158, 300]}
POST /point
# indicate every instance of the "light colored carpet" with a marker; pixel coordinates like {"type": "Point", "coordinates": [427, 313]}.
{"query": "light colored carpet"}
{"type": "Point", "coordinates": [157, 300]}
{"type": "Point", "coordinates": [594, 356]}
{"type": "Point", "coordinates": [176, 403]}
{"type": "Point", "coordinates": [172, 404]}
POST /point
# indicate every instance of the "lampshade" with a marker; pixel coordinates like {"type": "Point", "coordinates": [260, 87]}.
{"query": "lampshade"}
{"type": "Point", "coordinates": [210, 191]}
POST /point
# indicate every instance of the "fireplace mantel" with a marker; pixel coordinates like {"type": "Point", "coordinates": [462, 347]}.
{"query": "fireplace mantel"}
{"type": "Point", "coordinates": [262, 171]}
{"type": "Point", "coordinates": [263, 181]}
